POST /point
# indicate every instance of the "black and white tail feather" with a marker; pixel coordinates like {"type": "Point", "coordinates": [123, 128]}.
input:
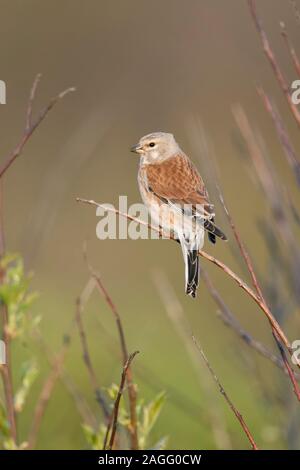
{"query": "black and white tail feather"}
{"type": "Point", "coordinates": [191, 256]}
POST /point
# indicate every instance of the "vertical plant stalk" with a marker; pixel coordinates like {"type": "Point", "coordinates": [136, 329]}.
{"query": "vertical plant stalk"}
{"type": "Point", "coordinates": [57, 364]}
{"type": "Point", "coordinates": [82, 406]}
{"type": "Point", "coordinates": [30, 127]}
{"type": "Point", "coordinates": [271, 58]}
{"type": "Point", "coordinates": [6, 372]}
{"type": "Point", "coordinates": [226, 397]}
{"type": "Point", "coordinates": [282, 134]}
{"type": "Point", "coordinates": [231, 321]}
{"type": "Point", "coordinates": [6, 369]}
{"type": "Point", "coordinates": [132, 395]}
{"type": "Point", "coordinates": [114, 420]}
{"type": "Point", "coordinates": [45, 395]}
{"type": "Point", "coordinates": [88, 361]}
{"type": "Point", "coordinates": [258, 289]}
{"type": "Point", "coordinates": [290, 48]}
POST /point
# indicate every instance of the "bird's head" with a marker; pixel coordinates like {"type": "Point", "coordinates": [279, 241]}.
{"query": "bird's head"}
{"type": "Point", "coordinates": [156, 147]}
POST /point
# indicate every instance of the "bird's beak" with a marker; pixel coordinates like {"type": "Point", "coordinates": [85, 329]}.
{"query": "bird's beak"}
{"type": "Point", "coordinates": [136, 148]}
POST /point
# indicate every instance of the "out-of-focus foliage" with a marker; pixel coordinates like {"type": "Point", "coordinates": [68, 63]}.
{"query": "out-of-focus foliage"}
{"type": "Point", "coordinates": [16, 296]}
{"type": "Point", "coordinates": [147, 416]}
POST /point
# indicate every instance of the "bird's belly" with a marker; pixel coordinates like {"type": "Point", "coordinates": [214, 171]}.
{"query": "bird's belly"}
{"type": "Point", "coordinates": [171, 220]}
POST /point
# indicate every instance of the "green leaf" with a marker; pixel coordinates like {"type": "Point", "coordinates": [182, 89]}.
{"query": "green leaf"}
{"type": "Point", "coordinates": [15, 294]}
{"type": "Point", "coordinates": [150, 414]}
{"type": "Point", "coordinates": [94, 438]}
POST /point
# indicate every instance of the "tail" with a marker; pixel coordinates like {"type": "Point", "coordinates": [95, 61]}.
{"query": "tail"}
{"type": "Point", "coordinates": [213, 231]}
{"type": "Point", "coordinates": [191, 260]}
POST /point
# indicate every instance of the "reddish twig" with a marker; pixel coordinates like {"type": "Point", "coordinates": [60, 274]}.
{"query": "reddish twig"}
{"type": "Point", "coordinates": [258, 289]}
{"type": "Point", "coordinates": [216, 262]}
{"type": "Point", "coordinates": [80, 402]}
{"type": "Point", "coordinates": [230, 320]}
{"type": "Point", "coordinates": [228, 400]}
{"type": "Point", "coordinates": [290, 48]}
{"type": "Point", "coordinates": [271, 57]}
{"type": "Point", "coordinates": [6, 372]}
{"type": "Point", "coordinates": [131, 386]}
{"type": "Point", "coordinates": [55, 373]}
{"type": "Point", "coordinates": [45, 395]}
{"type": "Point", "coordinates": [87, 360]}
{"type": "Point", "coordinates": [282, 134]}
{"type": "Point", "coordinates": [114, 421]}
{"type": "Point", "coordinates": [30, 125]}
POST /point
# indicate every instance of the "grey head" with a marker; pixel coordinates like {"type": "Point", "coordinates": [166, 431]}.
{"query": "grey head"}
{"type": "Point", "coordinates": [156, 147]}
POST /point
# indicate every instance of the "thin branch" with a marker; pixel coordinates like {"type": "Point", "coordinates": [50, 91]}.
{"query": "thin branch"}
{"type": "Point", "coordinates": [2, 235]}
{"type": "Point", "coordinates": [88, 362]}
{"type": "Point", "coordinates": [271, 186]}
{"type": "Point", "coordinates": [6, 372]}
{"type": "Point", "coordinates": [228, 400]}
{"type": "Point", "coordinates": [46, 394]}
{"type": "Point", "coordinates": [132, 396]}
{"type": "Point", "coordinates": [55, 373]}
{"type": "Point", "coordinates": [154, 381]}
{"type": "Point", "coordinates": [258, 289]}
{"type": "Point", "coordinates": [271, 57]}
{"type": "Point", "coordinates": [230, 320]}
{"type": "Point", "coordinates": [216, 262]}
{"type": "Point", "coordinates": [290, 48]}
{"type": "Point", "coordinates": [31, 101]}
{"type": "Point", "coordinates": [80, 402]}
{"type": "Point", "coordinates": [28, 131]}
{"type": "Point", "coordinates": [282, 134]}
{"type": "Point", "coordinates": [30, 125]}
{"type": "Point", "coordinates": [178, 320]}
{"type": "Point", "coordinates": [117, 401]}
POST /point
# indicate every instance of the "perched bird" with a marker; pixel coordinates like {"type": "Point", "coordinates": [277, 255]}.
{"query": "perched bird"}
{"type": "Point", "coordinates": [176, 198]}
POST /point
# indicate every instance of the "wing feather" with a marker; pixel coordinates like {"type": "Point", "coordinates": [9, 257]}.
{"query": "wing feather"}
{"type": "Point", "coordinates": [178, 181]}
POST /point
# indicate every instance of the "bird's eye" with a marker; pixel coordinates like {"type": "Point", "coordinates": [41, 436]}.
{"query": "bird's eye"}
{"type": "Point", "coordinates": [152, 144]}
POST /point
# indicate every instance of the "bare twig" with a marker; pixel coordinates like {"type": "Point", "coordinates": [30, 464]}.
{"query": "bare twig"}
{"type": "Point", "coordinates": [6, 372]}
{"type": "Point", "coordinates": [46, 394]}
{"type": "Point", "coordinates": [282, 134]}
{"type": "Point", "coordinates": [131, 386]}
{"type": "Point", "coordinates": [114, 421]}
{"type": "Point", "coordinates": [2, 236]}
{"type": "Point", "coordinates": [55, 372]}
{"type": "Point", "coordinates": [30, 125]}
{"type": "Point", "coordinates": [228, 400]}
{"type": "Point", "coordinates": [153, 380]}
{"type": "Point", "coordinates": [230, 320]}
{"type": "Point", "coordinates": [88, 362]}
{"type": "Point", "coordinates": [290, 48]}
{"type": "Point", "coordinates": [178, 319]}
{"type": "Point", "coordinates": [218, 263]}
{"type": "Point", "coordinates": [272, 188]}
{"type": "Point", "coordinates": [258, 289]}
{"type": "Point", "coordinates": [271, 57]}
{"type": "Point", "coordinates": [81, 404]}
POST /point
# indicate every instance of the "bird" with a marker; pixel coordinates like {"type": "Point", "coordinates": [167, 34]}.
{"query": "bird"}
{"type": "Point", "coordinates": [176, 198]}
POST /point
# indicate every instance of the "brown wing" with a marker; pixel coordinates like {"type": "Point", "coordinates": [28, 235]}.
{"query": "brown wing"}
{"type": "Point", "coordinates": [178, 181]}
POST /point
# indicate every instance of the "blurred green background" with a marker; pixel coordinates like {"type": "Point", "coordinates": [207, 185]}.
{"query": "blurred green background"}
{"type": "Point", "coordinates": [139, 67]}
